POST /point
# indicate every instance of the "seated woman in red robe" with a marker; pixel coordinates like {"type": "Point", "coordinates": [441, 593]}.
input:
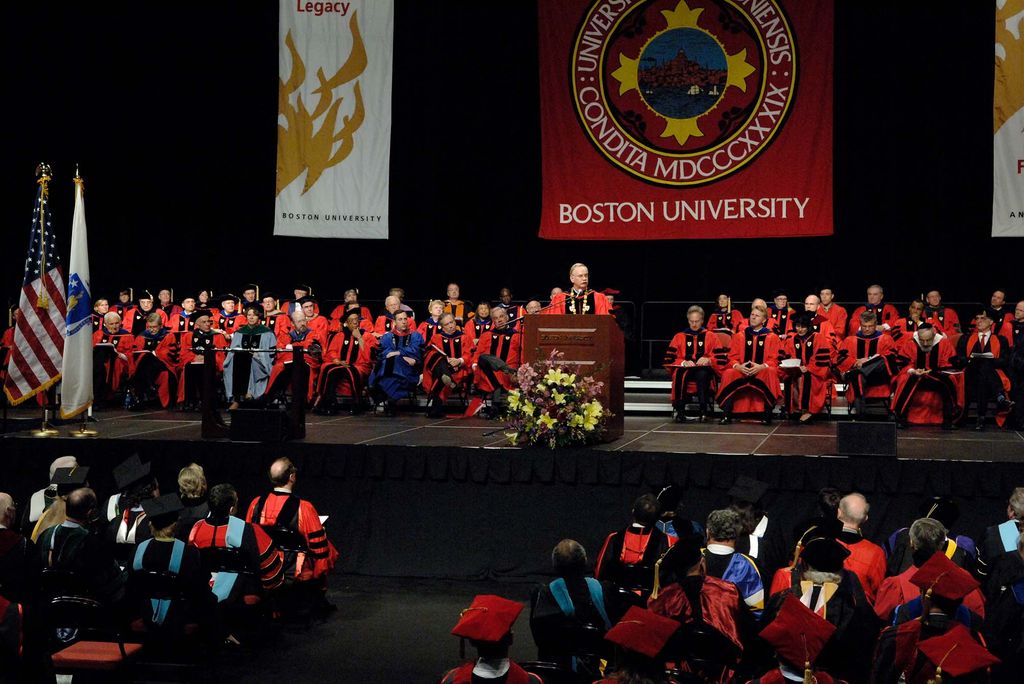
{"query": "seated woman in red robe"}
{"type": "Point", "coordinates": [811, 355]}
{"type": "Point", "coordinates": [347, 366]}
{"type": "Point", "coordinates": [751, 382]}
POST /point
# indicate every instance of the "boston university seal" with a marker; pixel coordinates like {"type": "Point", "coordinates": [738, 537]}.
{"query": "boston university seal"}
{"type": "Point", "coordinates": [683, 92]}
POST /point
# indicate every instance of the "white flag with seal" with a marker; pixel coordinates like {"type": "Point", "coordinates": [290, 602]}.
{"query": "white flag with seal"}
{"type": "Point", "coordinates": [1008, 121]}
{"type": "Point", "coordinates": [76, 384]}
{"type": "Point", "coordinates": [334, 118]}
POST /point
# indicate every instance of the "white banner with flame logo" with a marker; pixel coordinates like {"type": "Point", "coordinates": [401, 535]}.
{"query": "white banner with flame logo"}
{"type": "Point", "coordinates": [1008, 121]}
{"type": "Point", "coordinates": [334, 118]}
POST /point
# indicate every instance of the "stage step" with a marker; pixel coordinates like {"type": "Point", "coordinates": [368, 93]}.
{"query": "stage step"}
{"type": "Point", "coordinates": [651, 397]}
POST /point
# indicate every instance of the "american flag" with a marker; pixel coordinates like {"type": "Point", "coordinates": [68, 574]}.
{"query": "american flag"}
{"type": "Point", "coordinates": [35, 362]}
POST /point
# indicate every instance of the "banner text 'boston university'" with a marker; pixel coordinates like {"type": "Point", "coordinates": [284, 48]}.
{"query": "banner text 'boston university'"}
{"type": "Point", "coordinates": [666, 119]}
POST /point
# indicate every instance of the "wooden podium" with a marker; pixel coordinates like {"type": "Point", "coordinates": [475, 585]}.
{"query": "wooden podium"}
{"type": "Point", "coordinates": [593, 344]}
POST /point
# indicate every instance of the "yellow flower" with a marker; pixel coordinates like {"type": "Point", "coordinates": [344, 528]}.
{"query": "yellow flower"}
{"type": "Point", "coordinates": [594, 409]}
{"type": "Point", "coordinates": [568, 379]}
{"type": "Point", "coordinates": [554, 376]}
{"type": "Point", "coordinates": [576, 421]}
{"type": "Point", "coordinates": [547, 421]}
{"type": "Point", "coordinates": [589, 424]}
{"type": "Point", "coordinates": [513, 399]}
{"type": "Point", "coordinates": [513, 437]}
{"type": "Point", "coordinates": [527, 409]}
{"type": "Point", "coordinates": [559, 398]}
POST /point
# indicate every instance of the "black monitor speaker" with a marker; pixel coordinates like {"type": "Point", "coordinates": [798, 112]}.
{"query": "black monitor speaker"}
{"type": "Point", "coordinates": [866, 439]}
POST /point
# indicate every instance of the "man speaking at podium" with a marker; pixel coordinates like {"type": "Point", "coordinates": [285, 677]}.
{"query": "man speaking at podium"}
{"type": "Point", "coordinates": [580, 299]}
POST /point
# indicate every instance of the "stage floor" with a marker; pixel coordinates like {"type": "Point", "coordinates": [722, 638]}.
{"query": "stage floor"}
{"type": "Point", "coordinates": [642, 433]}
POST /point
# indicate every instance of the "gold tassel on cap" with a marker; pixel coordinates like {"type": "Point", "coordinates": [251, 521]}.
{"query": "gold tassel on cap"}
{"type": "Point", "coordinates": [657, 576]}
{"type": "Point", "coordinates": [809, 677]}
{"type": "Point", "coordinates": [937, 677]}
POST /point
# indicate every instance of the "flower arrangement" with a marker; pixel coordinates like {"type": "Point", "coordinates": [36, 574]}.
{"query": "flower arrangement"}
{"type": "Point", "coordinates": [553, 407]}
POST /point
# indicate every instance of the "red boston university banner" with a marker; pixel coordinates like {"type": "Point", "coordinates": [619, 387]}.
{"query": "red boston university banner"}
{"type": "Point", "coordinates": [665, 119]}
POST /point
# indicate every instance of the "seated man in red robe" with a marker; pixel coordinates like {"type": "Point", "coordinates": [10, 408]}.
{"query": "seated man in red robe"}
{"type": "Point", "coordinates": [181, 321]}
{"type": "Point", "coordinates": [689, 360]}
{"type": "Point", "coordinates": [351, 301]}
{"type": "Point", "coordinates": [134, 317]}
{"type": "Point", "coordinates": [885, 314]}
{"type": "Point", "coordinates": [497, 356]}
{"type": "Point", "coordinates": [985, 380]}
{"type": "Point", "coordinates": [867, 362]}
{"type": "Point", "coordinates": [807, 382]}
{"type": "Point", "coordinates": [927, 390]}
{"type": "Point", "coordinates": [487, 624]}
{"type": "Point", "coordinates": [386, 320]}
{"type": "Point", "coordinates": [798, 636]}
{"type": "Point", "coordinates": [447, 364]}
{"type": "Point", "coordinates": [193, 358]}
{"type": "Point", "coordinates": [999, 312]}
{"type": "Point", "coordinates": [154, 365]}
{"type": "Point", "coordinates": [347, 366]}
{"type": "Point", "coordinates": [913, 321]}
{"type": "Point", "coordinates": [941, 316]}
{"type": "Point", "coordinates": [580, 299]}
{"type": "Point", "coordinates": [819, 322]}
{"type": "Point", "coordinates": [271, 311]}
{"type": "Point", "coordinates": [1013, 329]}
{"type": "Point", "coordinates": [780, 314]}
{"type": "Point", "coordinates": [725, 317]}
{"type": "Point", "coordinates": [835, 313]}
{"type": "Point", "coordinates": [751, 382]}
{"type": "Point", "coordinates": [111, 357]}
{"type": "Point", "coordinates": [166, 304]}
{"type": "Point", "coordinates": [227, 319]}
{"type": "Point", "coordinates": [312, 341]}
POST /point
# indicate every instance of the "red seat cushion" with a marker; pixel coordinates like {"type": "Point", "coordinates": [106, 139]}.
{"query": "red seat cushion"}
{"type": "Point", "coordinates": [93, 655]}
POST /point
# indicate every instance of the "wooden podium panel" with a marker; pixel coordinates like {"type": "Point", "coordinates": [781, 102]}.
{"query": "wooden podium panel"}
{"type": "Point", "coordinates": [592, 344]}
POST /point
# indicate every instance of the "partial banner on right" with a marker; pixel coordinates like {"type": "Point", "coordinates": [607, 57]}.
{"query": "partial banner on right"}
{"type": "Point", "coordinates": [1008, 121]}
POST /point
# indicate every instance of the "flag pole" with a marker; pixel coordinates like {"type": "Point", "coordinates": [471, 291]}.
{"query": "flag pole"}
{"type": "Point", "coordinates": [83, 429]}
{"type": "Point", "coordinates": [45, 429]}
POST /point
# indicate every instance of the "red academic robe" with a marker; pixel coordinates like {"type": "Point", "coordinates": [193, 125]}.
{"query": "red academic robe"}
{"type": "Point", "coordinates": [726, 319]}
{"type": "Point", "coordinates": [114, 369]}
{"type": "Point", "coordinates": [166, 351]}
{"type": "Point", "coordinates": [227, 324]}
{"type": "Point", "coordinates": [887, 315]}
{"type": "Point", "coordinates": [187, 355]}
{"type": "Point", "coordinates": [904, 327]}
{"type": "Point", "coordinates": [339, 312]}
{"type": "Point", "coordinates": [689, 345]}
{"type": "Point", "coordinates": [894, 591]}
{"type": "Point", "coordinates": [428, 328]}
{"type": "Point", "coordinates": [943, 318]}
{"type": "Point", "coordinates": [383, 323]}
{"type": "Point", "coordinates": [6, 345]}
{"type": "Point", "coordinates": [590, 302]}
{"type": "Point", "coordinates": [780, 320]}
{"type": "Point", "coordinates": [134, 318]}
{"type": "Point", "coordinates": [867, 562]}
{"type": "Point", "coordinates": [1011, 330]}
{"type": "Point", "coordinates": [807, 391]}
{"type": "Point", "coordinates": [442, 347]}
{"type": "Point", "coordinates": [350, 361]}
{"type": "Point", "coordinates": [837, 316]}
{"type": "Point", "coordinates": [1000, 349]}
{"type": "Point", "coordinates": [917, 399]}
{"type": "Point", "coordinates": [475, 329]}
{"type": "Point", "coordinates": [507, 345]}
{"type": "Point", "coordinates": [756, 393]}
{"type": "Point", "coordinates": [321, 556]}
{"type": "Point", "coordinates": [284, 358]}
{"type": "Point", "coordinates": [857, 347]}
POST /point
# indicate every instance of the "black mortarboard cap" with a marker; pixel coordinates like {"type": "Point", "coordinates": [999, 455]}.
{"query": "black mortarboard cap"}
{"type": "Point", "coordinates": [163, 510]}
{"type": "Point", "coordinates": [748, 489]}
{"type": "Point", "coordinates": [304, 288]}
{"type": "Point", "coordinates": [670, 497]}
{"type": "Point", "coordinates": [194, 316]}
{"type": "Point", "coordinates": [779, 292]}
{"type": "Point", "coordinates": [146, 294]}
{"type": "Point", "coordinates": [69, 479]}
{"type": "Point", "coordinates": [130, 471]}
{"type": "Point", "coordinates": [941, 508]}
{"type": "Point", "coordinates": [251, 286]}
{"type": "Point", "coordinates": [803, 319]}
{"type": "Point", "coordinates": [824, 554]}
{"type": "Point", "coordinates": [226, 296]}
{"type": "Point", "coordinates": [684, 554]}
{"type": "Point", "coordinates": [308, 298]}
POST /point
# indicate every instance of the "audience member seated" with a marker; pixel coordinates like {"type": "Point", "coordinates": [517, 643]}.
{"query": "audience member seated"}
{"type": "Point", "coordinates": [780, 314]}
{"type": "Point", "coordinates": [725, 317]}
{"type": "Point", "coordinates": [671, 518]}
{"type": "Point", "coordinates": [262, 561]}
{"type": "Point", "coordinates": [192, 491]}
{"type": "Point", "coordinates": [487, 624]}
{"type": "Point", "coordinates": [312, 341]}
{"type": "Point", "coordinates": [152, 372]}
{"type": "Point", "coordinates": [927, 536]}
{"type": "Point", "coordinates": [986, 354]}
{"type": "Point", "coordinates": [282, 514]}
{"type": "Point", "coordinates": [127, 474]}
{"type": "Point", "coordinates": [463, 311]}
{"type": "Point", "coordinates": [835, 313]}
{"type": "Point", "coordinates": [760, 536]}
{"type": "Point", "coordinates": [43, 498]}
{"type": "Point", "coordinates": [867, 362]}
{"type": "Point", "coordinates": [866, 559]}
{"type": "Point", "coordinates": [167, 585]}
{"type": "Point", "coordinates": [19, 558]}
{"type": "Point", "coordinates": [1000, 541]}
{"type": "Point", "coordinates": [568, 616]}
{"type": "Point", "coordinates": [915, 318]}
{"type": "Point", "coordinates": [447, 365]}
{"type": "Point", "coordinates": [797, 636]}
{"type": "Point", "coordinates": [807, 384]}
{"type": "Point", "coordinates": [628, 556]}
{"type": "Point", "coordinates": [112, 348]}
{"type": "Point", "coordinates": [722, 560]}
{"type": "Point", "coordinates": [129, 527]}
{"type": "Point", "coordinates": [249, 360]}
{"type": "Point", "coordinates": [347, 366]}
{"type": "Point", "coordinates": [932, 641]}
{"type": "Point", "coordinates": [689, 361]}
{"type": "Point", "coordinates": [64, 481]}
{"type": "Point", "coordinates": [75, 549]}
{"type": "Point", "coordinates": [751, 382]}
{"type": "Point", "coordinates": [496, 359]}
{"type": "Point", "coordinates": [397, 371]}
{"type": "Point", "coordinates": [714, 622]}
{"type": "Point", "coordinates": [580, 299]}
{"type": "Point", "coordinates": [927, 389]}
{"type": "Point", "coordinates": [193, 359]}
{"type": "Point", "coordinates": [386, 320]}
{"type": "Point", "coordinates": [645, 642]}
{"type": "Point", "coordinates": [937, 313]}
{"type": "Point", "coordinates": [960, 549]}
{"type": "Point", "coordinates": [431, 325]}
{"type": "Point", "coordinates": [885, 314]}
{"type": "Point", "coordinates": [1004, 622]}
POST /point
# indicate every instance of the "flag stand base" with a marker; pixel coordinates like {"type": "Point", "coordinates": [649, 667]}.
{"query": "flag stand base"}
{"type": "Point", "coordinates": [45, 429]}
{"type": "Point", "coordinates": [83, 429]}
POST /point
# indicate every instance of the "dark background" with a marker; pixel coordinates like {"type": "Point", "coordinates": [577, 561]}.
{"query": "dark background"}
{"type": "Point", "coordinates": [171, 112]}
